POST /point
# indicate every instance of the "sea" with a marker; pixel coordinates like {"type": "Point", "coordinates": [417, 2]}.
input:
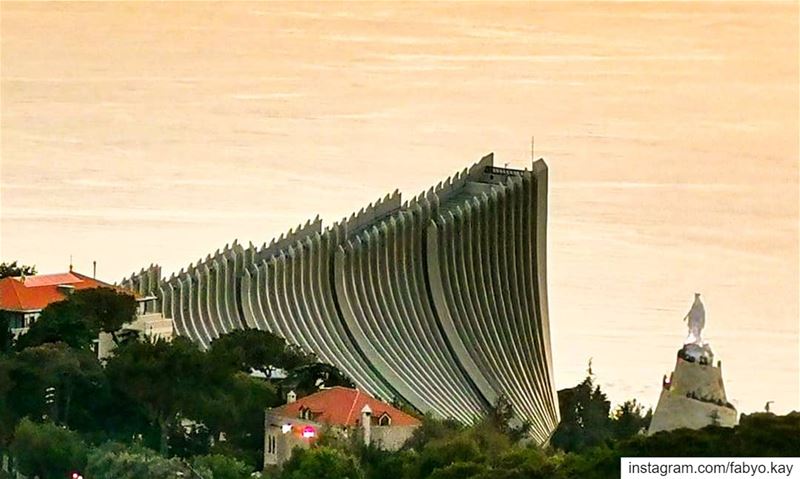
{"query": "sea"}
{"type": "Point", "coordinates": [139, 133]}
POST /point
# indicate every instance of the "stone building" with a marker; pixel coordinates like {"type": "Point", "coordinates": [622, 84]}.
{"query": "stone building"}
{"type": "Point", "coordinates": [694, 395]}
{"type": "Point", "coordinates": [438, 301]}
{"type": "Point", "coordinates": [338, 410]}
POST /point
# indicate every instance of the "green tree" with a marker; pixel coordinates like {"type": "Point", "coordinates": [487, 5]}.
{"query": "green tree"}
{"type": "Point", "coordinates": [765, 434]}
{"type": "Point", "coordinates": [321, 463]}
{"type": "Point", "coordinates": [440, 453]}
{"type": "Point", "coordinates": [311, 378]}
{"type": "Point", "coordinates": [105, 309]}
{"type": "Point", "coordinates": [629, 419]}
{"type": "Point", "coordinates": [501, 414]}
{"type": "Point", "coordinates": [73, 380]}
{"type": "Point", "coordinates": [432, 428]}
{"type": "Point", "coordinates": [527, 462]}
{"type": "Point", "coordinates": [222, 467]}
{"type": "Point", "coordinates": [78, 319]}
{"type": "Point", "coordinates": [254, 349]}
{"type": "Point", "coordinates": [375, 461]}
{"type": "Point", "coordinates": [585, 420]}
{"type": "Point", "coordinates": [46, 450]}
{"type": "Point", "coordinates": [13, 270]}
{"type": "Point", "coordinates": [7, 417]}
{"type": "Point", "coordinates": [117, 461]}
{"type": "Point", "coordinates": [461, 470]}
{"type": "Point", "coordinates": [236, 408]}
{"type": "Point", "coordinates": [165, 378]}
{"type": "Point", "coordinates": [59, 322]}
{"type": "Point", "coordinates": [6, 337]}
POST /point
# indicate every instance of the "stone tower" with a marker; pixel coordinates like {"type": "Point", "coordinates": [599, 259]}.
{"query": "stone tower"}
{"type": "Point", "coordinates": [694, 395]}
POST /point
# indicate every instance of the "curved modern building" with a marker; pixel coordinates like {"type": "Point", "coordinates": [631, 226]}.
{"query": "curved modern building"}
{"type": "Point", "coordinates": [440, 301]}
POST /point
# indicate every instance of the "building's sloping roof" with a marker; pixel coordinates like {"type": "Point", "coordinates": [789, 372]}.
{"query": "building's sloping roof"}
{"type": "Point", "coordinates": [34, 293]}
{"type": "Point", "coordinates": [342, 406]}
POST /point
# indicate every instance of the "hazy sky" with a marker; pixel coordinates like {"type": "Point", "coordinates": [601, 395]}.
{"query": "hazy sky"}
{"type": "Point", "coordinates": [135, 133]}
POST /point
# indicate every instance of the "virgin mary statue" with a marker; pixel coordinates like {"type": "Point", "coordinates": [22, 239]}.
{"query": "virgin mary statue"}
{"type": "Point", "coordinates": [696, 321]}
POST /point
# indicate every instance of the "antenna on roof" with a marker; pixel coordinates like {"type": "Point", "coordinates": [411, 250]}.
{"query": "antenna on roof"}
{"type": "Point", "coordinates": [533, 156]}
{"type": "Point", "coordinates": [70, 263]}
{"type": "Point", "coordinates": [94, 269]}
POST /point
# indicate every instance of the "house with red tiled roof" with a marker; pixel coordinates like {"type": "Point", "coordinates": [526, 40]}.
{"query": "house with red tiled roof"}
{"type": "Point", "coordinates": [336, 410]}
{"type": "Point", "coordinates": [24, 297]}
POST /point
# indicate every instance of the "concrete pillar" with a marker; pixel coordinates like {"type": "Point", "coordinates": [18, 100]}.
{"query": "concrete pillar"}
{"type": "Point", "coordinates": [366, 423]}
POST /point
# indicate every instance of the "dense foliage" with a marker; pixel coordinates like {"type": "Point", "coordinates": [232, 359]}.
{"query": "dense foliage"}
{"type": "Point", "coordinates": [162, 409]}
{"type": "Point", "coordinates": [587, 420]}
{"type": "Point", "coordinates": [46, 450]}
{"type": "Point", "coordinates": [164, 406]}
{"type": "Point", "coordinates": [78, 319]}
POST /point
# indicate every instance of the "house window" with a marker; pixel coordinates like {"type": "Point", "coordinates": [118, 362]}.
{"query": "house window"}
{"type": "Point", "coordinates": [272, 444]}
{"type": "Point", "coordinates": [16, 322]}
{"type": "Point", "coordinates": [385, 420]}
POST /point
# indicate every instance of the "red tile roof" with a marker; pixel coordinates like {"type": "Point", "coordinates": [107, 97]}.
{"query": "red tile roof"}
{"type": "Point", "coordinates": [342, 407]}
{"type": "Point", "coordinates": [34, 293]}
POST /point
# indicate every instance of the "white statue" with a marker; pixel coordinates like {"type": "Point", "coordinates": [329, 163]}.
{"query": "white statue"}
{"type": "Point", "coordinates": [696, 318]}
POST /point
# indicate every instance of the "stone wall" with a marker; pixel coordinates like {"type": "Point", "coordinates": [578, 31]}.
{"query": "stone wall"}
{"type": "Point", "coordinates": [391, 438]}
{"type": "Point", "coordinates": [675, 411]}
{"type": "Point", "coordinates": [153, 325]}
{"type": "Point", "coordinates": [693, 398]}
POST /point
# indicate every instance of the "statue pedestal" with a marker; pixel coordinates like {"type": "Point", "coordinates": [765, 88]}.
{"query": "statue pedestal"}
{"type": "Point", "coordinates": [694, 397]}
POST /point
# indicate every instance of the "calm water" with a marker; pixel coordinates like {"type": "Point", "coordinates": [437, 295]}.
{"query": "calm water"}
{"type": "Point", "coordinates": [134, 134]}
